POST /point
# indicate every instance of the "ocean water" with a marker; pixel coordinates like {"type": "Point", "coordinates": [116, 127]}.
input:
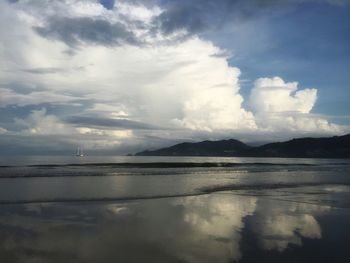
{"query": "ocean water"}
{"type": "Point", "coordinates": [174, 209]}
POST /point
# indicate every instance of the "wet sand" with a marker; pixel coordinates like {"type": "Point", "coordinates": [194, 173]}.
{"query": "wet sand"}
{"type": "Point", "coordinates": [130, 209]}
{"type": "Point", "coordinates": [300, 224]}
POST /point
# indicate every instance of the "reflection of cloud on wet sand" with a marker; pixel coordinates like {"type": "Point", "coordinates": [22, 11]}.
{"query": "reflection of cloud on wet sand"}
{"type": "Point", "coordinates": [206, 228]}
{"type": "Point", "coordinates": [217, 221]}
{"type": "Point", "coordinates": [280, 231]}
{"type": "Point", "coordinates": [280, 224]}
{"type": "Point", "coordinates": [50, 232]}
{"type": "Point", "coordinates": [192, 229]}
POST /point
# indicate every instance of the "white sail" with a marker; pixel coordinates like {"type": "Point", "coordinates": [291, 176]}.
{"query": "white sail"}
{"type": "Point", "coordinates": [79, 152]}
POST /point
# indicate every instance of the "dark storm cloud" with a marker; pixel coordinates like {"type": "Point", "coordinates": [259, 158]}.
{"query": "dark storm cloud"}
{"type": "Point", "coordinates": [196, 16]}
{"type": "Point", "coordinates": [74, 31]}
{"type": "Point", "coordinates": [192, 16]}
{"type": "Point", "coordinates": [23, 88]}
{"type": "Point", "coordinates": [29, 145]}
{"type": "Point", "coordinates": [43, 70]}
{"type": "Point", "coordinates": [52, 70]}
{"type": "Point", "coordinates": [189, 17]}
{"type": "Point", "coordinates": [110, 123]}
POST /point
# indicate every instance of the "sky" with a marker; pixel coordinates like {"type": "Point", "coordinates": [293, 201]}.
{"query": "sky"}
{"type": "Point", "coordinates": [117, 77]}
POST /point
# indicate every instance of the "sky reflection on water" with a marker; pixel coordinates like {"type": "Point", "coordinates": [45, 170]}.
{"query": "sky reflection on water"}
{"type": "Point", "coordinates": [208, 228]}
{"type": "Point", "coordinates": [280, 212]}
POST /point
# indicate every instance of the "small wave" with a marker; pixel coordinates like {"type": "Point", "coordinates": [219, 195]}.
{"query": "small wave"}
{"type": "Point", "coordinates": [168, 164]}
{"type": "Point", "coordinates": [95, 199]}
{"type": "Point", "coordinates": [235, 187]}
{"type": "Point", "coordinates": [130, 169]}
{"type": "Point", "coordinates": [198, 192]}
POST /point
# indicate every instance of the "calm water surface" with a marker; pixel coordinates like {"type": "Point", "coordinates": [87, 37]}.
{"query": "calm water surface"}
{"type": "Point", "coordinates": [104, 209]}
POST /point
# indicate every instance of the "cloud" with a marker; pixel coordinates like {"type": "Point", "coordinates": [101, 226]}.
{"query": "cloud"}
{"type": "Point", "coordinates": [274, 95]}
{"type": "Point", "coordinates": [33, 97]}
{"type": "Point", "coordinates": [180, 17]}
{"type": "Point", "coordinates": [216, 109]}
{"type": "Point", "coordinates": [280, 107]}
{"type": "Point", "coordinates": [143, 22]}
{"type": "Point", "coordinates": [198, 16]}
{"type": "Point", "coordinates": [101, 132]}
{"type": "Point", "coordinates": [163, 91]}
{"type": "Point", "coordinates": [22, 88]}
{"type": "Point", "coordinates": [3, 130]}
{"type": "Point", "coordinates": [38, 122]}
{"type": "Point", "coordinates": [42, 132]}
{"type": "Point", "coordinates": [75, 31]}
{"type": "Point", "coordinates": [109, 123]}
{"type": "Point", "coordinates": [43, 70]}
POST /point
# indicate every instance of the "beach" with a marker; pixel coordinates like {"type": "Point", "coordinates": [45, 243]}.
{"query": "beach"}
{"type": "Point", "coordinates": [175, 210]}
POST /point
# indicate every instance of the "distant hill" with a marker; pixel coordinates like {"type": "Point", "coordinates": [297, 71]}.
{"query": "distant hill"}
{"type": "Point", "coordinates": [205, 148]}
{"type": "Point", "coordinates": [332, 147]}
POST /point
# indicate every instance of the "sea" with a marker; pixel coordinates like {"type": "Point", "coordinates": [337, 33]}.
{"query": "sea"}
{"type": "Point", "coordinates": [174, 209]}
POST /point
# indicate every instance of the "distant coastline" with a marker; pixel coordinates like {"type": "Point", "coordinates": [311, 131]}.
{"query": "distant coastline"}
{"type": "Point", "coordinates": [330, 147]}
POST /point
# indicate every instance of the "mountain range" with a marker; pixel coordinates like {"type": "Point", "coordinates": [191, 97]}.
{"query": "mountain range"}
{"type": "Point", "coordinates": [331, 147]}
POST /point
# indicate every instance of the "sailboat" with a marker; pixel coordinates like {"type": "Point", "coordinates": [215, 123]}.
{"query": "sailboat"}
{"type": "Point", "coordinates": [79, 152]}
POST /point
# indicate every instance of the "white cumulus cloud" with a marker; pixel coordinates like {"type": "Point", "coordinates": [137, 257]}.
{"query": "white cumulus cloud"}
{"type": "Point", "coordinates": [184, 87]}
{"type": "Point", "coordinates": [275, 95]}
{"type": "Point", "coordinates": [280, 106]}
